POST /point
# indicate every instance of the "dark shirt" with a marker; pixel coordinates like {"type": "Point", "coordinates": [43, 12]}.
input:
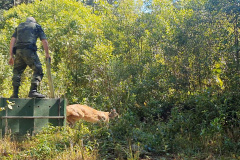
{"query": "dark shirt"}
{"type": "Point", "coordinates": [27, 33]}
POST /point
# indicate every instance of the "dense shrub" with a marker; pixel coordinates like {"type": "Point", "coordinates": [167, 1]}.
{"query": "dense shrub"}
{"type": "Point", "coordinates": [172, 74]}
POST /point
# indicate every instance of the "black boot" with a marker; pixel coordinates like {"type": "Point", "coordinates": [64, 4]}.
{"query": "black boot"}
{"type": "Point", "coordinates": [33, 92]}
{"type": "Point", "coordinates": [15, 92]}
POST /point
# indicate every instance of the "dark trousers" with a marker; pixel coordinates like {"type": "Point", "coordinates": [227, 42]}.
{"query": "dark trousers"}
{"type": "Point", "coordinates": [24, 58]}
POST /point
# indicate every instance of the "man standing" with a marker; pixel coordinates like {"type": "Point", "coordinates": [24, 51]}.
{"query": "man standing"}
{"type": "Point", "coordinates": [23, 53]}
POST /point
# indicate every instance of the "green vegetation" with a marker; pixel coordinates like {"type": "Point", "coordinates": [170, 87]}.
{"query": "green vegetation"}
{"type": "Point", "coordinates": [173, 74]}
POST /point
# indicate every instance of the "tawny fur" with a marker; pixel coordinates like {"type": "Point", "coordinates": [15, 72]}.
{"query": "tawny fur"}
{"type": "Point", "coordinates": [76, 112]}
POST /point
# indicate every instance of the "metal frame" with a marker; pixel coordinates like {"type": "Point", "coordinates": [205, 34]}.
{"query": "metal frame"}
{"type": "Point", "coordinates": [30, 115]}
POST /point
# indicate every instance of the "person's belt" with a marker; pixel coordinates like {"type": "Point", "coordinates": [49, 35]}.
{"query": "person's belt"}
{"type": "Point", "coordinates": [29, 46]}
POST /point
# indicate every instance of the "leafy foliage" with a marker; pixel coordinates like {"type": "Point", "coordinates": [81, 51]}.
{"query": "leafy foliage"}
{"type": "Point", "coordinates": [172, 73]}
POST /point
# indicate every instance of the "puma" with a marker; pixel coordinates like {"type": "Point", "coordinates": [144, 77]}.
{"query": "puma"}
{"type": "Point", "coordinates": [76, 112]}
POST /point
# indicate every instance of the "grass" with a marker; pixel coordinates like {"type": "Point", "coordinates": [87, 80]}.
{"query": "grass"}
{"type": "Point", "coordinates": [124, 139]}
{"type": "Point", "coordinates": [52, 143]}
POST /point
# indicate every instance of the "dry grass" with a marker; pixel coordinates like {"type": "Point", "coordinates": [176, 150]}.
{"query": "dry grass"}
{"type": "Point", "coordinates": [44, 147]}
{"type": "Point", "coordinates": [8, 147]}
{"type": "Point", "coordinates": [77, 153]}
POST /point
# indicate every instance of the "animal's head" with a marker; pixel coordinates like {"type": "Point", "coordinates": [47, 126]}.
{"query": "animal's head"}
{"type": "Point", "coordinates": [113, 113]}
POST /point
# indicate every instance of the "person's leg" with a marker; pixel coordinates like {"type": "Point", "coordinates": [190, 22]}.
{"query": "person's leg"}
{"type": "Point", "coordinates": [18, 69]}
{"type": "Point", "coordinates": [32, 60]}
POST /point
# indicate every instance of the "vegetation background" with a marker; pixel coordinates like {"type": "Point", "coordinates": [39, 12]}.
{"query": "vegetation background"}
{"type": "Point", "coordinates": [170, 68]}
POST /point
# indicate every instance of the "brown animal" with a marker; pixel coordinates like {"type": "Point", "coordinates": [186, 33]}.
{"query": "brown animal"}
{"type": "Point", "coordinates": [76, 112]}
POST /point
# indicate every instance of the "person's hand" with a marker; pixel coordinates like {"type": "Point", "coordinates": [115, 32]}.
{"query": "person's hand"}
{"type": "Point", "coordinates": [11, 61]}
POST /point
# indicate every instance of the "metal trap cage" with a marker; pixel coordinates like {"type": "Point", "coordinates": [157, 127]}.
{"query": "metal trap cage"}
{"type": "Point", "coordinates": [29, 116]}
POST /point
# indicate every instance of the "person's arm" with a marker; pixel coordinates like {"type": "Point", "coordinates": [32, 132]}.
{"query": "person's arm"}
{"type": "Point", "coordinates": [45, 46]}
{"type": "Point", "coordinates": [12, 42]}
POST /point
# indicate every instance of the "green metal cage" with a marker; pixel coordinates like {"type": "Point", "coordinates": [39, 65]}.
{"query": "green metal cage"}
{"type": "Point", "coordinates": [29, 116]}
